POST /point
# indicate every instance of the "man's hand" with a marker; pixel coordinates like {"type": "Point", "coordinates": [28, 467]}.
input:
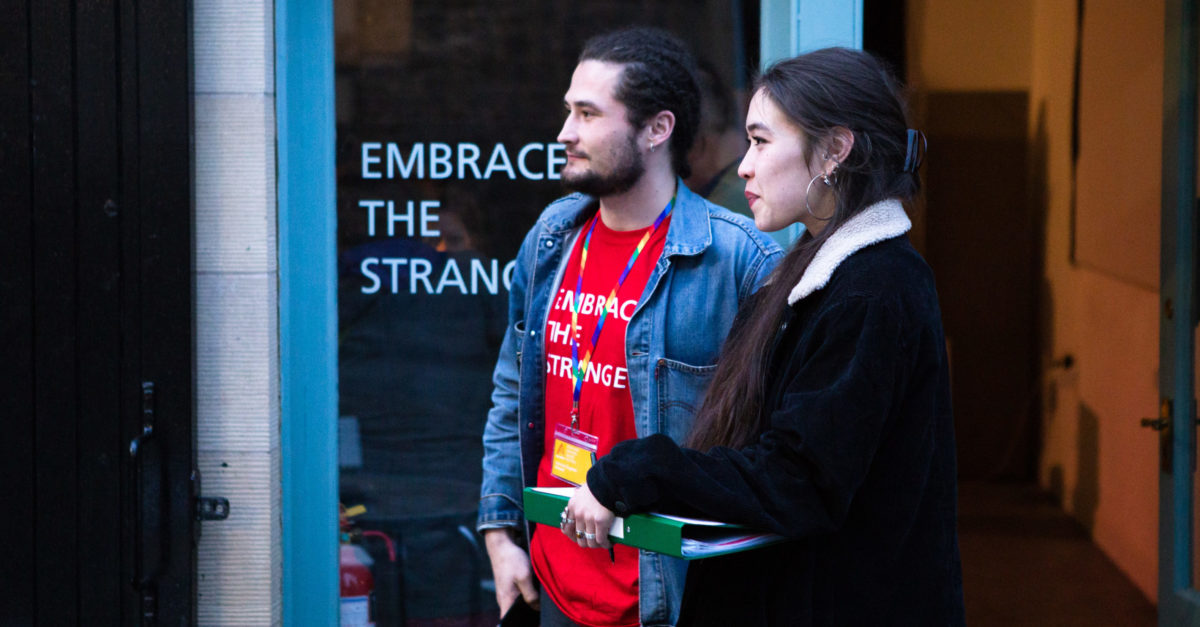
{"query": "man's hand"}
{"type": "Point", "coordinates": [511, 569]}
{"type": "Point", "coordinates": [587, 516]}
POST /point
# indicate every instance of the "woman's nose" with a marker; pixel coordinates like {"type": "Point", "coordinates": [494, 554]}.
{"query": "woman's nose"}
{"type": "Point", "coordinates": [746, 167]}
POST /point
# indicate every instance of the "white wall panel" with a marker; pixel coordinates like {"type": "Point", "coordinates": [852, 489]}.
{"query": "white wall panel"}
{"type": "Point", "coordinates": [234, 46]}
{"type": "Point", "coordinates": [239, 562]}
{"type": "Point", "coordinates": [235, 183]}
{"type": "Point", "coordinates": [236, 372]}
{"type": "Point", "coordinates": [239, 580]}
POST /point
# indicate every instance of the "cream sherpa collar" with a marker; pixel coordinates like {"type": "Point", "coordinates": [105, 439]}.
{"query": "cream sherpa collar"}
{"type": "Point", "coordinates": [882, 220]}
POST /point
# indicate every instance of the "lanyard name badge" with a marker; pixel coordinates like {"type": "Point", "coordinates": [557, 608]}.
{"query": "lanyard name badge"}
{"type": "Point", "coordinates": [575, 449]}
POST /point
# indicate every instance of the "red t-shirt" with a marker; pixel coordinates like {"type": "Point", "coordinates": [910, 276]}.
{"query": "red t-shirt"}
{"type": "Point", "coordinates": [590, 588]}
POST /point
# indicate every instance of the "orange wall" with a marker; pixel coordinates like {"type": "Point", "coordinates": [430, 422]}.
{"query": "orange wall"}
{"type": "Point", "coordinates": [1120, 157]}
{"type": "Point", "coordinates": [969, 44]}
{"type": "Point", "coordinates": [1102, 308]}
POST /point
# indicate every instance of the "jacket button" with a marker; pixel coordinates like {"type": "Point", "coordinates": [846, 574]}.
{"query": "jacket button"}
{"type": "Point", "coordinates": [549, 243]}
{"type": "Point", "coordinates": [531, 425]}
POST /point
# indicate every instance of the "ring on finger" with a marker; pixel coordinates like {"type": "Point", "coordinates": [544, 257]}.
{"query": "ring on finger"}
{"type": "Point", "coordinates": [589, 536]}
{"type": "Point", "coordinates": [578, 533]}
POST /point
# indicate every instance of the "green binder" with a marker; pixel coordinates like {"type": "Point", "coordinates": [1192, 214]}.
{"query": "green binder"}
{"type": "Point", "coordinates": [687, 538]}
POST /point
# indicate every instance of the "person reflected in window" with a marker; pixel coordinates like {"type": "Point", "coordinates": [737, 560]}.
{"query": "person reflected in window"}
{"type": "Point", "coordinates": [829, 418]}
{"type": "Point", "coordinates": [720, 144]}
{"type": "Point", "coordinates": [414, 385]}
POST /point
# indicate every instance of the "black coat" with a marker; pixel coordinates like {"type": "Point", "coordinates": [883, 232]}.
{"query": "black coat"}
{"type": "Point", "coordinates": [855, 463]}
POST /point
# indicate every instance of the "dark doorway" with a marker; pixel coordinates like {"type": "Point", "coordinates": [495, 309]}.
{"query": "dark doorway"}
{"type": "Point", "coordinates": [884, 32]}
{"type": "Point", "coordinates": [983, 243]}
{"type": "Point", "coordinates": [95, 287]}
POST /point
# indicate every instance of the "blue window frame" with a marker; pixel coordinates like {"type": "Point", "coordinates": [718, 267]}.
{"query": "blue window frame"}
{"type": "Point", "coordinates": [789, 27]}
{"type": "Point", "coordinates": [304, 113]}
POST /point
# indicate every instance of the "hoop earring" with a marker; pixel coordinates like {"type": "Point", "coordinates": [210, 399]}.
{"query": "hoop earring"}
{"type": "Point", "coordinates": [825, 178]}
{"type": "Point", "coordinates": [652, 146]}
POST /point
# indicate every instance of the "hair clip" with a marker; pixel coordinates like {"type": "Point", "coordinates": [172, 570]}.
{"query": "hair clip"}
{"type": "Point", "coordinates": [915, 152]}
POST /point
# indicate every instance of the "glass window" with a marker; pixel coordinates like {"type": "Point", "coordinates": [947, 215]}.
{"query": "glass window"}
{"type": "Point", "coordinates": [447, 114]}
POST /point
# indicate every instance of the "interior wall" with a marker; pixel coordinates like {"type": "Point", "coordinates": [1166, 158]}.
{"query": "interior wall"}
{"type": "Point", "coordinates": [1120, 157]}
{"type": "Point", "coordinates": [969, 46]}
{"type": "Point", "coordinates": [1094, 456]}
{"type": "Point", "coordinates": [970, 87]}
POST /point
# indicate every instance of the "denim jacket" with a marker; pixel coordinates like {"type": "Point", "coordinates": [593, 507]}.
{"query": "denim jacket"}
{"type": "Point", "coordinates": [711, 262]}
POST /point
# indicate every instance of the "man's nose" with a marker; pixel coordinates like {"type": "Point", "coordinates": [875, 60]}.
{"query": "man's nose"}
{"type": "Point", "coordinates": [567, 134]}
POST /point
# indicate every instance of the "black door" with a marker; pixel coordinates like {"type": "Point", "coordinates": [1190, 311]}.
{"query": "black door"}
{"type": "Point", "coordinates": [96, 450]}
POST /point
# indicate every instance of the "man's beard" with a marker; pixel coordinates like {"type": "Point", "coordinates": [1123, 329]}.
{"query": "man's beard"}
{"type": "Point", "coordinates": [628, 168]}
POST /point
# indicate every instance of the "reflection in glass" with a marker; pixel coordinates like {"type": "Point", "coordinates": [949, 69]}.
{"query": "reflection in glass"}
{"type": "Point", "coordinates": [447, 114]}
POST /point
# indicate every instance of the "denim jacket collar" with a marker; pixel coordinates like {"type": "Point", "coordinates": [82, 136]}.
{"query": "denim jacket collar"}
{"type": "Point", "coordinates": [690, 232]}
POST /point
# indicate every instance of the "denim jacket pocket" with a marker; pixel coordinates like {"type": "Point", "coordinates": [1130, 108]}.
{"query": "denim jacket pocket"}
{"type": "Point", "coordinates": [681, 389]}
{"type": "Point", "coordinates": [519, 336]}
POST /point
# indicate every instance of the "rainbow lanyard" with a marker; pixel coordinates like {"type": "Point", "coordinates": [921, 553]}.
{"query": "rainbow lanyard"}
{"type": "Point", "coordinates": [578, 369]}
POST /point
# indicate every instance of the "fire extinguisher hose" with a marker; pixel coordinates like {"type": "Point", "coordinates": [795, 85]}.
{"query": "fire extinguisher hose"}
{"type": "Point", "coordinates": [391, 546]}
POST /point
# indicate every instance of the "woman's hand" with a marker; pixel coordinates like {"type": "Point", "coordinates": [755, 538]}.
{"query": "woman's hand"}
{"type": "Point", "coordinates": [587, 521]}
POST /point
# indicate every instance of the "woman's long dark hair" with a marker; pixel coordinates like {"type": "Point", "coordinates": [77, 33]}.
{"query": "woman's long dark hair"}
{"type": "Point", "coordinates": [819, 92]}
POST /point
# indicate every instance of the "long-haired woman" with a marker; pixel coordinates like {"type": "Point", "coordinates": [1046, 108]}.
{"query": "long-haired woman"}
{"type": "Point", "coordinates": [828, 420]}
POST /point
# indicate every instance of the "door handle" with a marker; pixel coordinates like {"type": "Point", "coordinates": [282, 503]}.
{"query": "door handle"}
{"type": "Point", "coordinates": [1162, 424]}
{"type": "Point", "coordinates": [149, 519]}
{"type": "Point", "coordinates": [1163, 421]}
{"type": "Point", "coordinates": [1158, 424]}
{"type": "Point", "coordinates": [148, 430]}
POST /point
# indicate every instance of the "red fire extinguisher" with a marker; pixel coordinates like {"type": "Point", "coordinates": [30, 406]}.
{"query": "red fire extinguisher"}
{"type": "Point", "coordinates": [354, 573]}
{"type": "Point", "coordinates": [358, 586]}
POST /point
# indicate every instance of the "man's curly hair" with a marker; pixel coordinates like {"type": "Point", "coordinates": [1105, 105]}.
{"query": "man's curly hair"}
{"type": "Point", "coordinates": [659, 74]}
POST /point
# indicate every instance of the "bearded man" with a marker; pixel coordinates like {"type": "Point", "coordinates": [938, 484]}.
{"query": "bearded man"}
{"type": "Point", "coordinates": [622, 295]}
